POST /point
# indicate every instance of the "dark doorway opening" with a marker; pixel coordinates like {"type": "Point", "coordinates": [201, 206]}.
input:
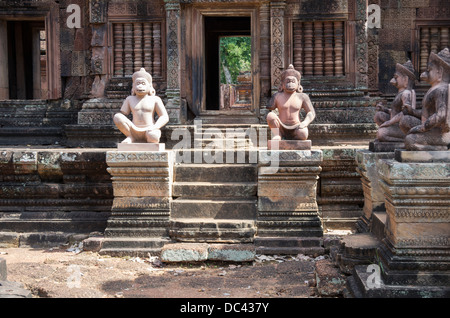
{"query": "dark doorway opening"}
{"type": "Point", "coordinates": [26, 59]}
{"type": "Point", "coordinates": [215, 28]}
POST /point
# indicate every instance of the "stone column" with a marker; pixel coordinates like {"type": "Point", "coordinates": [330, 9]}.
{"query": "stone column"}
{"type": "Point", "coordinates": [277, 41]}
{"type": "Point", "coordinates": [173, 92]}
{"type": "Point", "coordinates": [142, 182]}
{"type": "Point", "coordinates": [361, 51]}
{"type": "Point", "coordinates": [288, 218]}
{"type": "Point", "coordinates": [415, 252]}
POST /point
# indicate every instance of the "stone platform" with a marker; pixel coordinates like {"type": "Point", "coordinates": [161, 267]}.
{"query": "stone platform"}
{"type": "Point", "coordinates": [74, 195]}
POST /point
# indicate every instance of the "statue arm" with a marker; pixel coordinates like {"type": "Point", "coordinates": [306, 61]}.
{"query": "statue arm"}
{"type": "Point", "coordinates": [381, 108]}
{"type": "Point", "coordinates": [310, 112]}
{"type": "Point", "coordinates": [163, 116]}
{"type": "Point", "coordinates": [272, 102]}
{"type": "Point", "coordinates": [393, 120]}
{"type": "Point", "coordinates": [409, 105]}
{"type": "Point", "coordinates": [126, 109]}
{"type": "Point", "coordinates": [439, 116]}
{"type": "Point", "coordinates": [436, 119]}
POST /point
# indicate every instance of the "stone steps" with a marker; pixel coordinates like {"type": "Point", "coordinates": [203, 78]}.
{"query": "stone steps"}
{"type": "Point", "coordinates": [216, 156]}
{"type": "Point", "coordinates": [289, 245]}
{"type": "Point", "coordinates": [214, 208]}
{"type": "Point", "coordinates": [212, 189]}
{"type": "Point", "coordinates": [211, 230]}
{"type": "Point", "coordinates": [132, 246]}
{"type": "Point", "coordinates": [215, 172]}
{"type": "Point", "coordinates": [214, 203]}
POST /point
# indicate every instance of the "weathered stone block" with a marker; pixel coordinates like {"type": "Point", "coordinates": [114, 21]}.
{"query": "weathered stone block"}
{"type": "Point", "coordinates": [131, 203]}
{"type": "Point", "coordinates": [139, 158]}
{"type": "Point", "coordinates": [141, 189]}
{"type": "Point", "coordinates": [329, 280]}
{"type": "Point", "coordinates": [290, 157]}
{"type": "Point", "coordinates": [184, 252]}
{"type": "Point", "coordinates": [93, 244]}
{"type": "Point", "coordinates": [25, 162]}
{"type": "Point", "coordinates": [13, 290]}
{"type": "Point", "coordinates": [232, 252]}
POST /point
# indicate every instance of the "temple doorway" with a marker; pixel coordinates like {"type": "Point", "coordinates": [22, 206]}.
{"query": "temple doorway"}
{"type": "Point", "coordinates": [24, 60]}
{"type": "Point", "coordinates": [228, 59]}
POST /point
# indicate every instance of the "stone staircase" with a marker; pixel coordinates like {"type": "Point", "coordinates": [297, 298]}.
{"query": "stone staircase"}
{"type": "Point", "coordinates": [215, 202]}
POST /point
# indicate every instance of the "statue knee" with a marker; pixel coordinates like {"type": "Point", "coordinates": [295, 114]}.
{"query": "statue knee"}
{"type": "Point", "coordinates": [411, 142]}
{"type": "Point", "coordinates": [272, 119]}
{"type": "Point", "coordinates": [119, 118]}
{"type": "Point", "coordinates": [380, 118]}
{"type": "Point", "coordinates": [153, 136]}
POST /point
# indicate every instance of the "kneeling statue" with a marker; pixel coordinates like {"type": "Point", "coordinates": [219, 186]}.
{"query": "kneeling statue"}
{"type": "Point", "coordinates": [142, 104]}
{"type": "Point", "coordinates": [390, 121]}
{"type": "Point", "coordinates": [289, 101]}
{"type": "Point", "coordinates": [433, 132]}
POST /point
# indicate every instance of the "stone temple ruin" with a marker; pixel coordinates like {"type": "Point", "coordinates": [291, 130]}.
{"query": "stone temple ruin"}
{"type": "Point", "coordinates": [207, 178]}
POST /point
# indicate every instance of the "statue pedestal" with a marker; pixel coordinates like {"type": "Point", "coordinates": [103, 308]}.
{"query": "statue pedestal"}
{"type": "Point", "coordinates": [289, 145]}
{"type": "Point", "coordinates": [141, 147]}
{"type": "Point", "coordinates": [415, 252]}
{"type": "Point", "coordinates": [140, 213]}
{"type": "Point", "coordinates": [288, 218]}
{"type": "Point", "coordinates": [377, 146]}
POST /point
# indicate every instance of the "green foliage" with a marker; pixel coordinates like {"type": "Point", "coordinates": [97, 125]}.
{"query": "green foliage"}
{"type": "Point", "coordinates": [235, 56]}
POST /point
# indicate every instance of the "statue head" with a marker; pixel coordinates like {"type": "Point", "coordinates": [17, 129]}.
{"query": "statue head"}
{"type": "Point", "coordinates": [142, 83]}
{"type": "Point", "coordinates": [438, 67]}
{"type": "Point", "coordinates": [290, 80]}
{"type": "Point", "coordinates": [404, 76]}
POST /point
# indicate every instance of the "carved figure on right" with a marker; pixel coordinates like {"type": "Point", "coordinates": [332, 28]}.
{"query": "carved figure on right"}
{"type": "Point", "coordinates": [390, 120]}
{"type": "Point", "coordinates": [432, 132]}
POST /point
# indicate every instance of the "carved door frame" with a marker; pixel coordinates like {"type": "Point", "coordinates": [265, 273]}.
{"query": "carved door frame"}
{"type": "Point", "coordinates": [50, 17]}
{"type": "Point", "coordinates": [197, 54]}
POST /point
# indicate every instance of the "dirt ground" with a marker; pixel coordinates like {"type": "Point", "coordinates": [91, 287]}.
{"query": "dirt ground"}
{"type": "Point", "coordinates": [69, 273]}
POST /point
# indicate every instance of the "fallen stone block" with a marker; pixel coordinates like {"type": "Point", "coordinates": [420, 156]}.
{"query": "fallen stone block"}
{"type": "Point", "coordinates": [330, 282]}
{"type": "Point", "coordinates": [13, 290]}
{"type": "Point", "coordinates": [93, 244]}
{"type": "Point", "coordinates": [184, 252]}
{"type": "Point", "coordinates": [232, 252]}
